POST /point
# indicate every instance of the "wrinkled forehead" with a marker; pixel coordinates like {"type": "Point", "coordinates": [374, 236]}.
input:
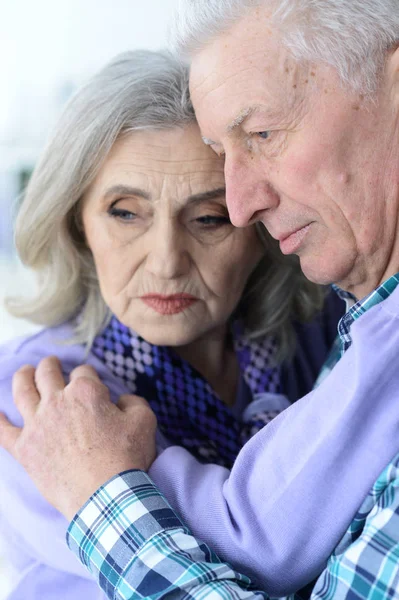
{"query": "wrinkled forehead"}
{"type": "Point", "coordinates": [245, 66]}
{"type": "Point", "coordinates": [156, 162]}
{"type": "Point", "coordinates": [175, 151]}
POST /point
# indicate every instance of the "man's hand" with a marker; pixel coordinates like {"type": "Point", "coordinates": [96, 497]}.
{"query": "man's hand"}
{"type": "Point", "coordinates": [74, 439]}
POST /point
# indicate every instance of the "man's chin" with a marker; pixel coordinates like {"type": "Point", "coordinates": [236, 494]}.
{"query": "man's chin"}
{"type": "Point", "coordinates": [317, 272]}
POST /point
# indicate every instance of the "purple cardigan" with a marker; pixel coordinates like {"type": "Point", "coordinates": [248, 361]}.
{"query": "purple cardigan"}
{"type": "Point", "coordinates": [35, 532]}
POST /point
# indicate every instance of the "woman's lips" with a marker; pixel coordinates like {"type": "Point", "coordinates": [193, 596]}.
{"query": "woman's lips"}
{"type": "Point", "coordinates": [169, 305]}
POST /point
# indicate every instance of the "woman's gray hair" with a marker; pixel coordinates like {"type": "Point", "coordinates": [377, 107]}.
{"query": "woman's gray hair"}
{"type": "Point", "coordinates": [136, 91]}
{"type": "Point", "coordinates": [352, 36]}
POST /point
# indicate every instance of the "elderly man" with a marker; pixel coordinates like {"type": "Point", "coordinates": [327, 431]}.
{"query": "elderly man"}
{"type": "Point", "coordinates": [302, 98]}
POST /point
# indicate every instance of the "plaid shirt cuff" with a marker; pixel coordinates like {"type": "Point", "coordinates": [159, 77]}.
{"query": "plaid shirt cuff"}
{"type": "Point", "coordinates": [137, 548]}
{"type": "Point", "coordinates": [115, 523]}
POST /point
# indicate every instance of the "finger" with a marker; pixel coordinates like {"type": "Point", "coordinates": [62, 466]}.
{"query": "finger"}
{"type": "Point", "coordinates": [85, 371]}
{"type": "Point", "coordinates": [128, 401]}
{"type": "Point", "coordinates": [49, 378]}
{"type": "Point", "coordinates": [9, 434]}
{"type": "Point", "coordinates": [25, 394]}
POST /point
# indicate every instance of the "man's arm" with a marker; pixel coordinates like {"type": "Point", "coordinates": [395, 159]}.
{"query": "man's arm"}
{"type": "Point", "coordinates": [136, 547]}
{"type": "Point", "coordinates": [297, 484]}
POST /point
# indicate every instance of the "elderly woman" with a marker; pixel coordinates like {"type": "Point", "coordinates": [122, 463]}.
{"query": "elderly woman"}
{"type": "Point", "coordinates": [142, 276]}
{"type": "Point", "coordinates": [125, 216]}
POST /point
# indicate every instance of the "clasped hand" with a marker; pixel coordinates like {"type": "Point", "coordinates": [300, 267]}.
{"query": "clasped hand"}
{"type": "Point", "coordinates": [74, 438]}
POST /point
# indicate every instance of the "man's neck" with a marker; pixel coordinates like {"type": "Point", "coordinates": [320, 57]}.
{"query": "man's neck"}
{"type": "Point", "coordinates": [370, 281]}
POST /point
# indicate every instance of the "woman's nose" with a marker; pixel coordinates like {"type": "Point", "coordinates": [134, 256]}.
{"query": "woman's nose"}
{"type": "Point", "coordinates": [168, 257]}
{"type": "Point", "coordinates": [249, 194]}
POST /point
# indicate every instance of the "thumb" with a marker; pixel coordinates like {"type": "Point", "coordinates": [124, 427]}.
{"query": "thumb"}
{"type": "Point", "coordinates": [9, 434]}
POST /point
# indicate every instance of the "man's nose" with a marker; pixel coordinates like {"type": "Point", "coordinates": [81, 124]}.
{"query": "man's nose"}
{"type": "Point", "coordinates": [249, 194]}
{"type": "Point", "coordinates": [168, 257]}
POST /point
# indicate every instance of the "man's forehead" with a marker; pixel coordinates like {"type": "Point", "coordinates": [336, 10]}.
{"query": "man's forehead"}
{"type": "Point", "coordinates": [253, 33]}
{"type": "Point", "coordinates": [224, 68]}
{"type": "Point", "coordinates": [225, 99]}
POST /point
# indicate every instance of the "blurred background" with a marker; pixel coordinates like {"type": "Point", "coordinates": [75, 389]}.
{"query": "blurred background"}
{"type": "Point", "coordinates": [47, 49]}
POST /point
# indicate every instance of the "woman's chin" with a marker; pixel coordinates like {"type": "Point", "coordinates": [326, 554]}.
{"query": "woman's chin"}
{"type": "Point", "coordinates": [167, 336]}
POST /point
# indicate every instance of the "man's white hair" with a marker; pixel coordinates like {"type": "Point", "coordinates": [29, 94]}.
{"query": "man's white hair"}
{"type": "Point", "coordinates": [353, 36]}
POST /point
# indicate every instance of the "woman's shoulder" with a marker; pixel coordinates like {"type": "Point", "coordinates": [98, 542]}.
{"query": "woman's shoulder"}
{"type": "Point", "coordinates": [52, 341]}
{"type": "Point", "coordinates": [31, 349]}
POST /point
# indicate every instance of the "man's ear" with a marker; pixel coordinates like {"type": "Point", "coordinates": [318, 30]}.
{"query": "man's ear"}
{"type": "Point", "coordinates": [392, 73]}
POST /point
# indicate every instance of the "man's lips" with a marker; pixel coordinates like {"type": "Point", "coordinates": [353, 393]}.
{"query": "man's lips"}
{"type": "Point", "coordinates": [291, 242]}
{"type": "Point", "coordinates": [169, 305]}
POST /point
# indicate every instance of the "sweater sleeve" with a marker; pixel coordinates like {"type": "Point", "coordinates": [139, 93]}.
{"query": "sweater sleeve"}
{"type": "Point", "coordinates": [296, 485]}
{"type": "Point", "coordinates": [137, 548]}
{"type": "Point", "coordinates": [34, 531]}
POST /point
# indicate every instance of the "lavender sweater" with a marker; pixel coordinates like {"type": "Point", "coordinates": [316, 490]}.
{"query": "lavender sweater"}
{"type": "Point", "coordinates": [266, 516]}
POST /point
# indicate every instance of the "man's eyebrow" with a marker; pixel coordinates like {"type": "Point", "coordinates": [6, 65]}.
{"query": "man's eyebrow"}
{"type": "Point", "coordinates": [241, 117]}
{"type": "Point", "coordinates": [127, 190]}
{"type": "Point", "coordinates": [209, 195]}
{"type": "Point", "coordinates": [239, 120]}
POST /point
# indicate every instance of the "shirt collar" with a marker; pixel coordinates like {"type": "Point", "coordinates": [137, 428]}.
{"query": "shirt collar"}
{"type": "Point", "coordinates": [359, 307]}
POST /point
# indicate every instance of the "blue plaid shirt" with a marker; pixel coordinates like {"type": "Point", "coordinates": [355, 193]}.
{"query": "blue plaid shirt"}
{"type": "Point", "coordinates": [136, 546]}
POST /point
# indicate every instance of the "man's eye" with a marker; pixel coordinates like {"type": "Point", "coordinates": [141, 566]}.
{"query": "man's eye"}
{"type": "Point", "coordinates": [264, 135]}
{"type": "Point", "coordinates": [122, 214]}
{"type": "Point", "coordinates": [209, 220]}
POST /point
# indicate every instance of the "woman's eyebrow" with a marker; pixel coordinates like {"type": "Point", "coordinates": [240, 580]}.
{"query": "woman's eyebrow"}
{"type": "Point", "coordinates": [127, 190]}
{"type": "Point", "coordinates": [209, 195]}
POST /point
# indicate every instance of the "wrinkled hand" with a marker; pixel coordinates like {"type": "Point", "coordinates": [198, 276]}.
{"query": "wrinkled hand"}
{"type": "Point", "coordinates": [74, 439]}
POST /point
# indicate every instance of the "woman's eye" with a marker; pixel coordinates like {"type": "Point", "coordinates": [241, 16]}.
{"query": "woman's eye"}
{"type": "Point", "coordinates": [264, 135]}
{"type": "Point", "coordinates": [209, 220]}
{"type": "Point", "coordinates": [122, 214]}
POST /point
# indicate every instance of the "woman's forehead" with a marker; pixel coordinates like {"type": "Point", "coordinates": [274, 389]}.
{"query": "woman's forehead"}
{"type": "Point", "coordinates": [150, 160]}
{"type": "Point", "coordinates": [152, 168]}
{"type": "Point", "coordinates": [171, 150]}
